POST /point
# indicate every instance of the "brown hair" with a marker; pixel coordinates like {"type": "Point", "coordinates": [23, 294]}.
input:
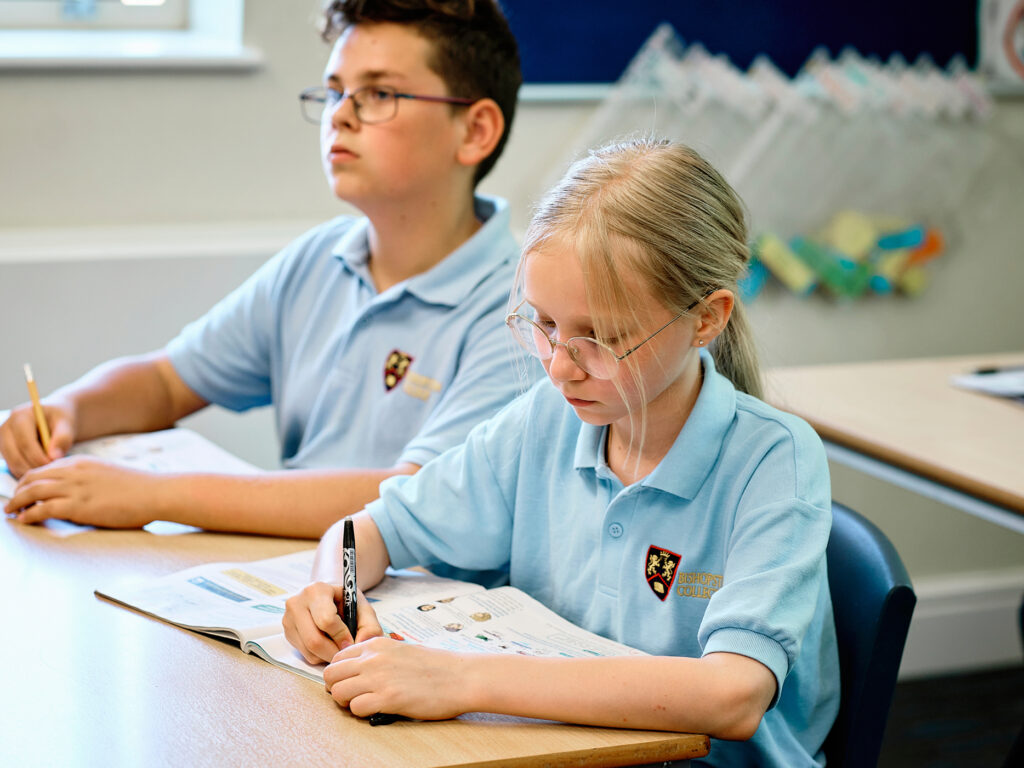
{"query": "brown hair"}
{"type": "Point", "coordinates": [474, 51]}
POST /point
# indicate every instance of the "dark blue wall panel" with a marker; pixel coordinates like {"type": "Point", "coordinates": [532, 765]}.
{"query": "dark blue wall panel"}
{"type": "Point", "coordinates": [592, 41]}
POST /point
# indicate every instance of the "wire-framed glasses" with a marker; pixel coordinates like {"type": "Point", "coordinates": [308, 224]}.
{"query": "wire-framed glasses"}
{"type": "Point", "coordinates": [372, 103]}
{"type": "Point", "coordinates": [595, 357]}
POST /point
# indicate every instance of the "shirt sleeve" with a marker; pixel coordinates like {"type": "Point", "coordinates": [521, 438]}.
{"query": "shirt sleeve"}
{"type": "Point", "coordinates": [225, 356]}
{"type": "Point", "coordinates": [775, 584]}
{"type": "Point", "coordinates": [492, 372]}
{"type": "Point", "coordinates": [458, 509]}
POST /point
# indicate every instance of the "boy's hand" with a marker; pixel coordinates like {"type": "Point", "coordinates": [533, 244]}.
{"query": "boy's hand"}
{"type": "Point", "coordinates": [313, 624]}
{"type": "Point", "coordinates": [385, 675]}
{"type": "Point", "coordinates": [19, 437]}
{"type": "Point", "coordinates": [86, 491]}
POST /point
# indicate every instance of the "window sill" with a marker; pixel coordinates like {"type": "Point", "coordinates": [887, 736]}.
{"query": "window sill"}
{"type": "Point", "coordinates": [28, 50]}
{"type": "Point", "coordinates": [168, 241]}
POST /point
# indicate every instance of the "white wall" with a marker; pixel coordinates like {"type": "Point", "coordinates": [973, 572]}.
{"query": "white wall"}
{"type": "Point", "coordinates": [175, 156]}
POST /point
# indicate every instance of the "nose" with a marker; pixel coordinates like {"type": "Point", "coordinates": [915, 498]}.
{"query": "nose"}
{"type": "Point", "coordinates": [344, 113]}
{"type": "Point", "coordinates": [561, 366]}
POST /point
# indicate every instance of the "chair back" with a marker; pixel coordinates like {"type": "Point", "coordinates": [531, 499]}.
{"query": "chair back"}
{"type": "Point", "coordinates": [872, 599]}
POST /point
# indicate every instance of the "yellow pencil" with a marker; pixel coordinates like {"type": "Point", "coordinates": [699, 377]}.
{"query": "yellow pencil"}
{"type": "Point", "coordinates": [37, 408]}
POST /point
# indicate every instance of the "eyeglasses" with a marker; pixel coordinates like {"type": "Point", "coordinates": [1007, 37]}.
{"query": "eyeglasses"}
{"type": "Point", "coordinates": [594, 357]}
{"type": "Point", "coordinates": [372, 103]}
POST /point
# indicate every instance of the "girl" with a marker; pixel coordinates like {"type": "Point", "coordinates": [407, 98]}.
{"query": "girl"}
{"type": "Point", "coordinates": [642, 491]}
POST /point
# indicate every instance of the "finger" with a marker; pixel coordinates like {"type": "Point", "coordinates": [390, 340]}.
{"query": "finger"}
{"type": "Point", "coordinates": [39, 511]}
{"type": "Point", "coordinates": [24, 450]}
{"type": "Point", "coordinates": [368, 704]}
{"type": "Point", "coordinates": [294, 637]}
{"type": "Point", "coordinates": [369, 626]}
{"type": "Point", "coordinates": [344, 681]}
{"type": "Point", "coordinates": [311, 613]}
{"type": "Point", "coordinates": [31, 492]}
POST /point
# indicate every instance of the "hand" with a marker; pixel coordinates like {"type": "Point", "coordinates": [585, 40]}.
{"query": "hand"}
{"type": "Point", "coordinates": [19, 437]}
{"type": "Point", "coordinates": [385, 675]}
{"type": "Point", "coordinates": [86, 491]}
{"type": "Point", "coordinates": [313, 624]}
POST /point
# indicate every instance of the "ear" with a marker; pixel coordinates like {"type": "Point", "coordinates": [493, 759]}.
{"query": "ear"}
{"type": "Point", "coordinates": [713, 315]}
{"type": "Point", "coordinates": [484, 123]}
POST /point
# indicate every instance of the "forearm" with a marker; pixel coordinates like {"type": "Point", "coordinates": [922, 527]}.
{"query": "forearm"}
{"type": "Point", "coordinates": [723, 697]}
{"type": "Point", "coordinates": [295, 503]}
{"type": "Point", "coordinates": [131, 394]}
{"type": "Point", "coordinates": [371, 553]}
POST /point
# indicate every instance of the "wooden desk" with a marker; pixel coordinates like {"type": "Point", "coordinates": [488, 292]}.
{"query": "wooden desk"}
{"type": "Point", "coordinates": [88, 683]}
{"type": "Point", "coordinates": [903, 421]}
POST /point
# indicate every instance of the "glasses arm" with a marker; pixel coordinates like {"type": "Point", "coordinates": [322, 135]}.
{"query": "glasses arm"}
{"type": "Point", "coordinates": [438, 99]}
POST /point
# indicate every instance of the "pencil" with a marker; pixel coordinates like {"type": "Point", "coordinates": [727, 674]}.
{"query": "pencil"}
{"type": "Point", "coordinates": [37, 408]}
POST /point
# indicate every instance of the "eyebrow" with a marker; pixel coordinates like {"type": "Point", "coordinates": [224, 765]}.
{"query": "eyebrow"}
{"type": "Point", "coordinates": [576, 321]}
{"type": "Point", "coordinates": [368, 77]}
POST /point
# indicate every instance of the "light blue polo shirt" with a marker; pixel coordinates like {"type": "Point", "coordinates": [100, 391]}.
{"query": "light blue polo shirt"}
{"type": "Point", "coordinates": [361, 379]}
{"type": "Point", "coordinates": [720, 548]}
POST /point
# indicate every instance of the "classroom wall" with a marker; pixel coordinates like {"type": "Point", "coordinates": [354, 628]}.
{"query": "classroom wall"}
{"type": "Point", "coordinates": [117, 189]}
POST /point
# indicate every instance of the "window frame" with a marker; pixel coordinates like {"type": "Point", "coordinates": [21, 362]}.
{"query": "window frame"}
{"type": "Point", "coordinates": [212, 40]}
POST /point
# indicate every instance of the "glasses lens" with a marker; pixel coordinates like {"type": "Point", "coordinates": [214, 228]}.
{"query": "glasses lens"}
{"type": "Point", "coordinates": [592, 357]}
{"type": "Point", "coordinates": [312, 104]}
{"type": "Point", "coordinates": [375, 104]}
{"type": "Point", "coordinates": [530, 337]}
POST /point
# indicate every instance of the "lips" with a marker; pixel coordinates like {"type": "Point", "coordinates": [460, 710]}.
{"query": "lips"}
{"type": "Point", "coordinates": [577, 403]}
{"type": "Point", "coordinates": [340, 154]}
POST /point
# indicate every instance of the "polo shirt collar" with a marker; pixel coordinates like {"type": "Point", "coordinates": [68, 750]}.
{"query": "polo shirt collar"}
{"type": "Point", "coordinates": [451, 280]}
{"type": "Point", "coordinates": [693, 455]}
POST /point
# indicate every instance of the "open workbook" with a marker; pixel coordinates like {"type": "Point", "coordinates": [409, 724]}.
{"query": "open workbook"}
{"type": "Point", "coordinates": [169, 450]}
{"type": "Point", "coordinates": [245, 602]}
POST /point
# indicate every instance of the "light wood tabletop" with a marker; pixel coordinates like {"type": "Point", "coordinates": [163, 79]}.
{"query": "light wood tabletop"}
{"type": "Point", "coordinates": [88, 683]}
{"type": "Point", "coordinates": [907, 413]}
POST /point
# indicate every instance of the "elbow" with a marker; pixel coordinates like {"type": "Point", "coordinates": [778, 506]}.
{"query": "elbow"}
{"type": "Point", "coordinates": [739, 727]}
{"type": "Point", "coordinates": [741, 710]}
{"type": "Point", "coordinates": [743, 690]}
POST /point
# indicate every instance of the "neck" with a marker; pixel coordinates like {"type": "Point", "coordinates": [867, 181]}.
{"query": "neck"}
{"type": "Point", "coordinates": [409, 239]}
{"type": "Point", "coordinates": [633, 452]}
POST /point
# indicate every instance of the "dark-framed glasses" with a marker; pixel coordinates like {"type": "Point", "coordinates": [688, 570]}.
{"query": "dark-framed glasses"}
{"type": "Point", "coordinates": [595, 357]}
{"type": "Point", "coordinates": [372, 104]}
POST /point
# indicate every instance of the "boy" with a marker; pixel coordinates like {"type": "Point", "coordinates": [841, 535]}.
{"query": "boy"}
{"type": "Point", "coordinates": [379, 340]}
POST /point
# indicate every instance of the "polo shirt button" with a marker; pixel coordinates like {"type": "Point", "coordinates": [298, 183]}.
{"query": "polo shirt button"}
{"type": "Point", "coordinates": [615, 530]}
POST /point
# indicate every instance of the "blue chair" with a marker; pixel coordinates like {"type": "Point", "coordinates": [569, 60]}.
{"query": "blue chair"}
{"type": "Point", "coordinates": [872, 599]}
{"type": "Point", "coordinates": [1015, 758]}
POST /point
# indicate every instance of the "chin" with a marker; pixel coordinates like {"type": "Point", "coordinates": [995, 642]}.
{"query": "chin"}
{"type": "Point", "coordinates": [596, 419]}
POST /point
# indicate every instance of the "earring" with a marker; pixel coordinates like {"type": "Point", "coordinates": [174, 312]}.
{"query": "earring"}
{"type": "Point", "coordinates": [700, 342]}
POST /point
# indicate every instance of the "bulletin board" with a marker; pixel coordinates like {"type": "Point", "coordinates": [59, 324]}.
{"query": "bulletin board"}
{"type": "Point", "coordinates": [592, 41]}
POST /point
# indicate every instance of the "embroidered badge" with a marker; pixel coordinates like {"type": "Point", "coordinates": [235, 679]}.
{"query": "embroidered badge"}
{"type": "Point", "coordinates": [661, 570]}
{"type": "Point", "coordinates": [395, 368]}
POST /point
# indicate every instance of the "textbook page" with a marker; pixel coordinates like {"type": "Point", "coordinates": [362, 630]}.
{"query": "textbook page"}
{"type": "Point", "coordinates": [7, 481]}
{"type": "Point", "coordinates": [501, 620]}
{"type": "Point", "coordinates": [245, 601]}
{"type": "Point", "coordinates": [169, 450]}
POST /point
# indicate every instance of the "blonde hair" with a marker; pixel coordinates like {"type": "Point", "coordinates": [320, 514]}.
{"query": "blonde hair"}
{"type": "Point", "coordinates": [658, 210]}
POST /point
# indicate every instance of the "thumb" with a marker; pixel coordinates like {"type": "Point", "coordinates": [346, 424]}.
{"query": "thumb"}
{"type": "Point", "coordinates": [61, 439]}
{"type": "Point", "coordinates": [369, 626]}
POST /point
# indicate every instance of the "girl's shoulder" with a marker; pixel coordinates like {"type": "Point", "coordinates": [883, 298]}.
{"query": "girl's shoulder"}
{"type": "Point", "coordinates": [774, 427]}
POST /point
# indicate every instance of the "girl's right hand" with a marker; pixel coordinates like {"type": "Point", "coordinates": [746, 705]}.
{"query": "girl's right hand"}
{"type": "Point", "coordinates": [314, 626]}
{"type": "Point", "coordinates": [20, 444]}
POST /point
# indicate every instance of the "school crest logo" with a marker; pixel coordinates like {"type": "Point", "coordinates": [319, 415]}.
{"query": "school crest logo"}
{"type": "Point", "coordinates": [395, 368]}
{"type": "Point", "coordinates": [661, 570]}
